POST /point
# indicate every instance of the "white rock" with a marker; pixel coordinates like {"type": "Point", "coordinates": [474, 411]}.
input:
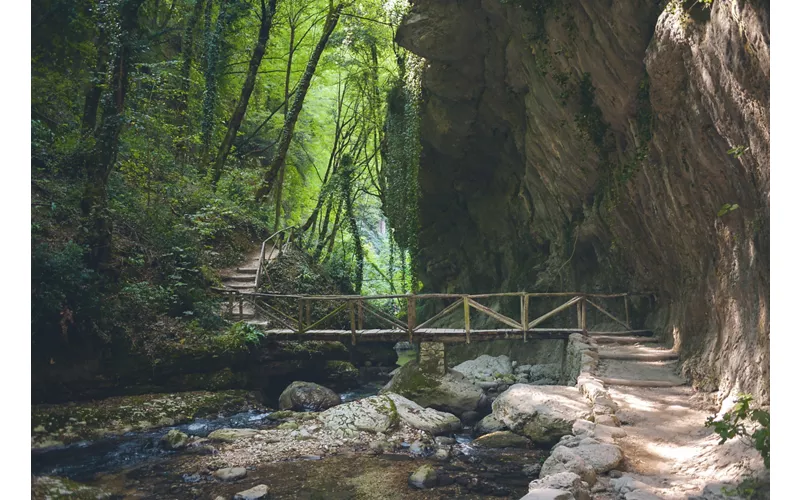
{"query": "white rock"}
{"type": "Point", "coordinates": [646, 495]}
{"type": "Point", "coordinates": [565, 459]}
{"type": "Point", "coordinates": [485, 367]}
{"type": "Point", "coordinates": [548, 494]}
{"type": "Point", "coordinates": [230, 473]}
{"type": "Point", "coordinates": [254, 493]}
{"type": "Point", "coordinates": [626, 484]}
{"type": "Point", "coordinates": [373, 414]}
{"type": "Point", "coordinates": [425, 419]}
{"type": "Point", "coordinates": [602, 457]}
{"type": "Point", "coordinates": [568, 481]}
{"type": "Point", "coordinates": [543, 413]}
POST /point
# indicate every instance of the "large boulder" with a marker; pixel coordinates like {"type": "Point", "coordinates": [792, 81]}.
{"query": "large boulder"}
{"type": "Point", "coordinates": [373, 414]}
{"type": "Point", "coordinates": [602, 457]}
{"type": "Point", "coordinates": [426, 419]}
{"type": "Point", "coordinates": [451, 392]}
{"type": "Point", "coordinates": [543, 413]}
{"type": "Point", "coordinates": [567, 481]}
{"type": "Point", "coordinates": [565, 459]}
{"type": "Point", "coordinates": [307, 396]}
{"type": "Point", "coordinates": [486, 367]}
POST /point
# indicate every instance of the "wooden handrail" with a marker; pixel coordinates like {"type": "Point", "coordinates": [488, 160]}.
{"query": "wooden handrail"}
{"type": "Point", "coordinates": [264, 247]}
{"type": "Point", "coordinates": [438, 295]}
{"type": "Point", "coordinates": [357, 306]}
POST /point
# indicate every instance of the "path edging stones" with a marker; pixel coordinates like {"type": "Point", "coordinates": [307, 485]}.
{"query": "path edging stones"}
{"type": "Point", "coordinates": [591, 442]}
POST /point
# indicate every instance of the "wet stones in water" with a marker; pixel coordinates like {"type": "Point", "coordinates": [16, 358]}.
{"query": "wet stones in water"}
{"type": "Point", "coordinates": [419, 449]}
{"type": "Point", "coordinates": [174, 440]}
{"type": "Point", "coordinates": [230, 473]}
{"type": "Point", "coordinates": [470, 417]}
{"type": "Point", "coordinates": [502, 439]}
{"type": "Point", "coordinates": [442, 453]}
{"type": "Point", "coordinates": [380, 446]}
{"type": "Point", "coordinates": [254, 493]}
{"type": "Point", "coordinates": [424, 477]}
{"type": "Point", "coordinates": [444, 440]}
{"type": "Point", "coordinates": [307, 396]}
{"type": "Point", "coordinates": [489, 424]}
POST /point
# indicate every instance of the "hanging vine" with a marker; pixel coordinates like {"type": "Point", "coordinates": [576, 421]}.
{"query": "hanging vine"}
{"type": "Point", "coordinates": [401, 161]}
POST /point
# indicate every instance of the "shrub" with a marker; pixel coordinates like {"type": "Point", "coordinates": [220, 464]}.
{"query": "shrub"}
{"type": "Point", "coordinates": [737, 421]}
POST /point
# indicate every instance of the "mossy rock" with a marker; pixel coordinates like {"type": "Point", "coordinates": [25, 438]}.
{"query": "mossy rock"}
{"type": "Point", "coordinates": [174, 440]}
{"type": "Point", "coordinates": [502, 439]}
{"type": "Point", "coordinates": [58, 488]}
{"type": "Point", "coordinates": [54, 425]}
{"type": "Point", "coordinates": [452, 392]}
{"type": "Point", "coordinates": [341, 371]}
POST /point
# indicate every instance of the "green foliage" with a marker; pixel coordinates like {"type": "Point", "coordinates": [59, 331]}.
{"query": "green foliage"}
{"type": "Point", "coordinates": [727, 208]}
{"type": "Point", "coordinates": [401, 169]}
{"type": "Point", "coordinates": [241, 335]}
{"type": "Point", "coordinates": [738, 151]}
{"type": "Point", "coordinates": [171, 231]}
{"type": "Point", "coordinates": [738, 423]}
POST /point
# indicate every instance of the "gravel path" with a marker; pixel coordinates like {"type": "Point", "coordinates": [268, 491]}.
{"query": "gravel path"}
{"type": "Point", "coordinates": [667, 445]}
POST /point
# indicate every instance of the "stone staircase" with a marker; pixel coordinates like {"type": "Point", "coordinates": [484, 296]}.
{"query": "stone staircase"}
{"type": "Point", "coordinates": [632, 360]}
{"type": "Point", "coordinates": [243, 279]}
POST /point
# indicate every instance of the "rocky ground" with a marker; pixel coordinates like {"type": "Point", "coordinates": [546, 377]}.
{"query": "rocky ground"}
{"type": "Point", "coordinates": [548, 441]}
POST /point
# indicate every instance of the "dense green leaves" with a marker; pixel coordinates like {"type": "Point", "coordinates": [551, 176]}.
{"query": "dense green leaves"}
{"type": "Point", "coordinates": [131, 101]}
{"type": "Point", "coordinates": [746, 422]}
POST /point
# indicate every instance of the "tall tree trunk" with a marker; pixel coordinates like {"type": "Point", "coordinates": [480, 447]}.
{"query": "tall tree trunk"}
{"type": "Point", "coordinates": [187, 57]}
{"type": "Point", "coordinates": [94, 204]}
{"type": "Point", "coordinates": [267, 14]}
{"type": "Point", "coordinates": [279, 190]}
{"type": "Point", "coordinates": [297, 104]}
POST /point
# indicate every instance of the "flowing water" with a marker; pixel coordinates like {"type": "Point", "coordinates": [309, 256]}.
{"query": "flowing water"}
{"type": "Point", "coordinates": [135, 466]}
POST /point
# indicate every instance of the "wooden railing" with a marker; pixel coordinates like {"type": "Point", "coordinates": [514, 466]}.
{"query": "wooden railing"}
{"type": "Point", "coordinates": [352, 312]}
{"type": "Point", "coordinates": [277, 239]}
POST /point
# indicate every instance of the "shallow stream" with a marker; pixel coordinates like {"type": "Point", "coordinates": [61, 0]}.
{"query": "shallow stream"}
{"type": "Point", "coordinates": [134, 465]}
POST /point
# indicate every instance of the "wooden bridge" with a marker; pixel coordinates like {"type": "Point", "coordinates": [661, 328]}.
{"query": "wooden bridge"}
{"type": "Point", "coordinates": [392, 318]}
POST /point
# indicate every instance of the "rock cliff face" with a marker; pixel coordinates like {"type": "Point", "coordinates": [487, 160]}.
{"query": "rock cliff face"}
{"type": "Point", "coordinates": [585, 144]}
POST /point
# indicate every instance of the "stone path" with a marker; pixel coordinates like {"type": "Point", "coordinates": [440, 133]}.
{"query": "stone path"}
{"type": "Point", "coordinates": [667, 446]}
{"type": "Point", "coordinates": [243, 277]}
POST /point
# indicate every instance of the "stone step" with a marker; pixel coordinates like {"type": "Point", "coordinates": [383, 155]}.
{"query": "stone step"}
{"type": "Point", "coordinates": [644, 356]}
{"type": "Point", "coordinates": [641, 383]}
{"type": "Point", "coordinates": [247, 270]}
{"type": "Point", "coordinates": [242, 287]}
{"type": "Point", "coordinates": [623, 333]}
{"type": "Point", "coordinates": [249, 278]}
{"type": "Point", "coordinates": [612, 339]}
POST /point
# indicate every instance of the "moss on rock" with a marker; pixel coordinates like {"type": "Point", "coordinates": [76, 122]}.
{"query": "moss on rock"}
{"type": "Point", "coordinates": [55, 425]}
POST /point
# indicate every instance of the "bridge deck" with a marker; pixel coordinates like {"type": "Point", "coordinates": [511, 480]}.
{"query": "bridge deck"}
{"type": "Point", "coordinates": [422, 334]}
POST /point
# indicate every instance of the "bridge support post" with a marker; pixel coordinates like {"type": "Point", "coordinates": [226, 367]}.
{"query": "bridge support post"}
{"type": "Point", "coordinates": [432, 358]}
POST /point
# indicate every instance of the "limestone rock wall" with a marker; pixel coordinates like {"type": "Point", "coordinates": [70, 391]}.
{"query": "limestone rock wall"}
{"type": "Point", "coordinates": [584, 144]}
